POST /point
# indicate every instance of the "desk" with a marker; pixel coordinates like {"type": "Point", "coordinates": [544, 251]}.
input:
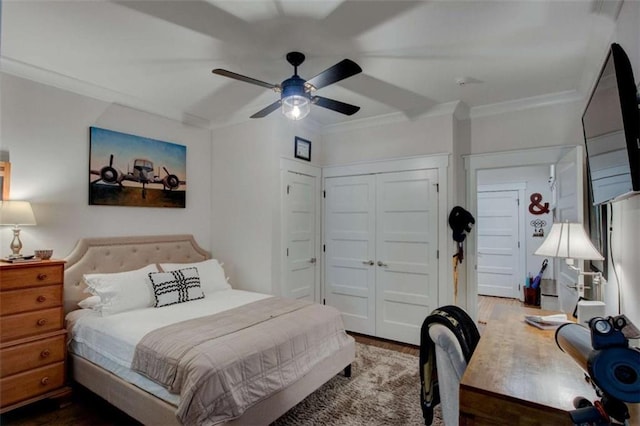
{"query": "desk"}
{"type": "Point", "coordinates": [518, 375]}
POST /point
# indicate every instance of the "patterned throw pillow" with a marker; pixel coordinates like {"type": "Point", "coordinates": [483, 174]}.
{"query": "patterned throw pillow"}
{"type": "Point", "coordinates": [177, 286]}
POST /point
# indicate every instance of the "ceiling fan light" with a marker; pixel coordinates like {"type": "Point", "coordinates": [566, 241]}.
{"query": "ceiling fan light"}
{"type": "Point", "coordinates": [296, 107]}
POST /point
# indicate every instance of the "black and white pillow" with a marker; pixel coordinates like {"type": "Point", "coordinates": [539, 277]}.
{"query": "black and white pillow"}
{"type": "Point", "coordinates": [177, 286]}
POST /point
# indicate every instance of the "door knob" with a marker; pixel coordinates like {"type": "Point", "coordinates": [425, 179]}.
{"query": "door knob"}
{"type": "Point", "coordinates": [380, 263]}
{"type": "Point", "coordinates": [368, 262]}
{"type": "Point", "coordinates": [312, 260]}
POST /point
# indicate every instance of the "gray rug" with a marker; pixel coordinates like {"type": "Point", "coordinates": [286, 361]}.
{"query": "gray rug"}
{"type": "Point", "coordinates": [384, 389]}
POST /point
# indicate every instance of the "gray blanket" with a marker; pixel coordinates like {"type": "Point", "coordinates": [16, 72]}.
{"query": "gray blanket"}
{"type": "Point", "coordinates": [224, 363]}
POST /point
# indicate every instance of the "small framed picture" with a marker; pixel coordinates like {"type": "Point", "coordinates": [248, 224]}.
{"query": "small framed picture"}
{"type": "Point", "coordinates": [303, 149]}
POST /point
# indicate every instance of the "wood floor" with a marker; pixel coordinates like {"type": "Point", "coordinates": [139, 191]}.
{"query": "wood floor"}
{"type": "Point", "coordinates": [485, 307]}
{"type": "Point", "coordinates": [486, 304]}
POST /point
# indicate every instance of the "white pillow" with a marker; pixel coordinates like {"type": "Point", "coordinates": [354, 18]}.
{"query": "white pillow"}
{"type": "Point", "coordinates": [122, 291]}
{"type": "Point", "coordinates": [211, 274]}
{"type": "Point", "coordinates": [90, 302]}
{"type": "Point", "coordinates": [179, 286]}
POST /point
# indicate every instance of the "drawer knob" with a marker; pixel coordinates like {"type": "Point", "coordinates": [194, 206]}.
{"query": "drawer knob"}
{"type": "Point", "coordinates": [41, 299]}
{"type": "Point", "coordinates": [42, 277]}
{"type": "Point", "coordinates": [45, 353]}
{"type": "Point", "coordinates": [44, 381]}
{"type": "Point", "coordinates": [42, 321]}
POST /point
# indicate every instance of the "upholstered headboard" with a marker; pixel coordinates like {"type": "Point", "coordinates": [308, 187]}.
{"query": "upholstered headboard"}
{"type": "Point", "coordinates": [117, 254]}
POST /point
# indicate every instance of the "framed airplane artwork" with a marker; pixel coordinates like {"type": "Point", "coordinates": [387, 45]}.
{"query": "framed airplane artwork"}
{"type": "Point", "coordinates": [129, 170]}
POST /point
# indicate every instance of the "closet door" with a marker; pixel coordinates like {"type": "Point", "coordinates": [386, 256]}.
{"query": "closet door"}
{"type": "Point", "coordinates": [407, 252]}
{"type": "Point", "coordinates": [350, 250]}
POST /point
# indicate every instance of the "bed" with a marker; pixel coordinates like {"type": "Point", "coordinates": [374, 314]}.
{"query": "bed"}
{"type": "Point", "coordinates": [137, 395]}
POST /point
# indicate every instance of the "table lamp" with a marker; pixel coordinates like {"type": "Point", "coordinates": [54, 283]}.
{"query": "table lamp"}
{"type": "Point", "coordinates": [570, 241]}
{"type": "Point", "coordinates": [16, 213]}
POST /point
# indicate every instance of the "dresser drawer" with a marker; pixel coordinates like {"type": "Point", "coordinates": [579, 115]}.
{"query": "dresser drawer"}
{"type": "Point", "coordinates": [37, 275]}
{"type": "Point", "coordinates": [16, 359]}
{"type": "Point", "coordinates": [30, 323]}
{"type": "Point", "coordinates": [31, 299]}
{"type": "Point", "coordinates": [31, 383]}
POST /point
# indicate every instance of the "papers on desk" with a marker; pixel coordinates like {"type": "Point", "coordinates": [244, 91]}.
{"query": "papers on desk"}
{"type": "Point", "coordinates": [547, 322]}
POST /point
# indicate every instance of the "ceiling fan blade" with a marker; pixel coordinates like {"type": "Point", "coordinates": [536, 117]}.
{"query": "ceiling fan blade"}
{"type": "Point", "coordinates": [268, 110]}
{"type": "Point", "coordinates": [343, 69]}
{"type": "Point", "coordinates": [334, 105]}
{"type": "Point", "coordinates": [244, 78]}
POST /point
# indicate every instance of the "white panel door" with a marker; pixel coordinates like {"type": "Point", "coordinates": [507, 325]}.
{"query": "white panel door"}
{"type": "Point", "coordinates": [350, 250]}
{"type": "Point", "coordinates": [498, 246]}
{"type": "Point", "coordinates": [569, 207]}
{"type": "Point", "coordinates": [300, 211]}
{"type": "Point", "coordinates": [407, 253]}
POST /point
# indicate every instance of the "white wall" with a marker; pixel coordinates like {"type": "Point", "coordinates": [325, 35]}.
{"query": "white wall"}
{"type": "Point", "coordinates": [542, 126]}
{"type": "Point", "coordinates": [46, 134]}
{"type": "Point", "coordinates": [245, 210]}
{"type": "Point", "coordinates": [381, 139]}
{"type": "Point", "coordinates": [625, 235]}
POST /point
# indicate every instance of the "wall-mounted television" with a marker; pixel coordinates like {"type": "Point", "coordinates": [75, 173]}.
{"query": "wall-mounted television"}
{"type": "Point", "coordinates": [611, 124]}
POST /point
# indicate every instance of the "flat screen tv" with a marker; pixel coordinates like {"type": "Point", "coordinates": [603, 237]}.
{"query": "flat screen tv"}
{"type": "Point", "coordinates": [611, 124]}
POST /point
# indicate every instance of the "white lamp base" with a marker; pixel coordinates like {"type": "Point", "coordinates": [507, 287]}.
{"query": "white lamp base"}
{"type": "Point", "coordinates": [16, 244]}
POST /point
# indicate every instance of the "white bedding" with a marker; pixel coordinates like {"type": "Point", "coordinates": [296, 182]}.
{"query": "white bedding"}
{"type": "Point", "coordinates": [110, 341]}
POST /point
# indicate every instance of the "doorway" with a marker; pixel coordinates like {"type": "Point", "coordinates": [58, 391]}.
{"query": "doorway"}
{"type": "Point", "coordinates": [300, 227]}
{"type": "Point", "coordinates": [501, 260]}
{"type": "Point", "coordinates": [567, 207]}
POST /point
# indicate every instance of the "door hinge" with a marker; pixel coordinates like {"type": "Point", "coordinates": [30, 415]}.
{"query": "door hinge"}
{"type": "Point", "coordinates": [437, 187]}
{"type": "Point", "coordinates": [287, 251]}
{"type": "Point", "coordinates": [324, 248]}
{"type": "Point", "coordinates": [518, 244]}
{"type": "Point", "coordinates": [518, 287]}
{"type": "Point", "coordinates": [518, 201]}
{"type": "Point", "coordinates": [324, 301]}
{"type": "Point", "coordinates": [437, 254]}
{"type": "Point", "coordinates": [288, 188]}
{"type": "Point", "coordinates": [324, 194]}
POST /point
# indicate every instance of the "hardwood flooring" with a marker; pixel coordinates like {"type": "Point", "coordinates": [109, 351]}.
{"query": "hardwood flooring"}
{"type": "Point", "coordinates": [386, 344]}
{"type": "Point", "coordinates": [485, 307]}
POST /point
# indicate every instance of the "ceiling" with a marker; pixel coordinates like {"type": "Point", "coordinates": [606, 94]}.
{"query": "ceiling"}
{"type": "Point", "coordinates": [158, 55]}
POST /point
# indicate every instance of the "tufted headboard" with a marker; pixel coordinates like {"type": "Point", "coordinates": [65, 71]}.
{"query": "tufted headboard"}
{"type": "Point", "coordinates": [117, 254]}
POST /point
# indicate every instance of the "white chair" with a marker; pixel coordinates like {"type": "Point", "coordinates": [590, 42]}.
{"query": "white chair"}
{"type": "Point", "coordinates": [451, 366]}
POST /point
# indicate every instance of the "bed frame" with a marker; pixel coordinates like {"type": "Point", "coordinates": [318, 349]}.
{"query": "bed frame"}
{"type": "Point", "coordinates": [116, 254]}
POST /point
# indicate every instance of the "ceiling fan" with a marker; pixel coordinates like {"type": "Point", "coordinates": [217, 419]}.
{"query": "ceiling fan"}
{"type": "Point", "coordinates": [296, 94]}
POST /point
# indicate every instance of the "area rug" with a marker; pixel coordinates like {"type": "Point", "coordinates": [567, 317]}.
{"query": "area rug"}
{"type": "Point", "coordinates": [384, 389]}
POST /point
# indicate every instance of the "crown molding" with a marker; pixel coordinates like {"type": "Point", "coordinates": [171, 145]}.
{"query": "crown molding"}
{"type": "Point", "coordinates": [526, 103]}
{"type": "Point", "coordinates": [448, 108]}
{"type": "Point", "coordinates": [91, 90]}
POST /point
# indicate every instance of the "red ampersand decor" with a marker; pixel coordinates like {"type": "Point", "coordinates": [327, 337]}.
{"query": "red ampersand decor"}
{"type": "Point", "coordinates": [535, 207]}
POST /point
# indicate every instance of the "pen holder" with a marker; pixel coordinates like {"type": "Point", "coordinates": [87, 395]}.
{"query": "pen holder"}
{"type": "Point", "coordinates": [532, 296]}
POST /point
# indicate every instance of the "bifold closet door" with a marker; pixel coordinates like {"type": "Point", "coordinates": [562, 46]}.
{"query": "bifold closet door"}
{"type": "Point", "coordinates": [406, 252]}
{"type": "Point", "coordinates": [381, 251]}
{"type": "Point", "coordinates": [350, 250]}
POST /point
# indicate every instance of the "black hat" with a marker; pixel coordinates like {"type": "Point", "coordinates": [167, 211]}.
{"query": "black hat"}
{"type": "Point", "coordinates": [460, 221]}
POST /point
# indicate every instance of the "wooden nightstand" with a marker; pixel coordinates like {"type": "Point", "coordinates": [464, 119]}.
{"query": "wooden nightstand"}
{"type": "Point", "coordinates": [32, 334]}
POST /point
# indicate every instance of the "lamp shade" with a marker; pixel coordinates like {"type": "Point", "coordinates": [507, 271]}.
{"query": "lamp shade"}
{"type": "Point", "coordinates": [16, 213]}
{"type": "Point", "coordinates": [568, 240]}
